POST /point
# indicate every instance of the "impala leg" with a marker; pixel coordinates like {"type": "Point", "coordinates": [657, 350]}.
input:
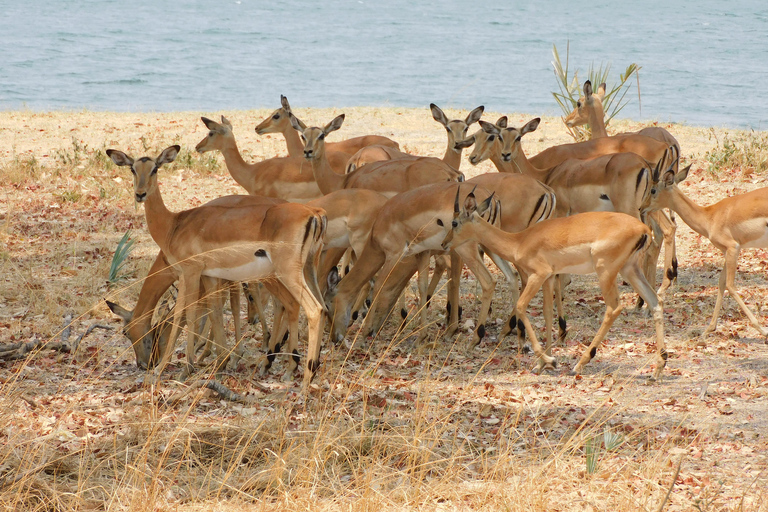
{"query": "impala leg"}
{"type": "Point", "coordinates": [389, 285]}
{"type": "Point", "coordinates": [668, 229]}
{"type": "Point", "coordinates": [313, 310]}
{"type": "Point", "coordinates": [534, 284]}
{"type": "Point", "coordinates": [468, 252]}
{"type": "Point", "coordinates": [279, 326]}
{"type": "Point", "coordinates": [217, 322]}
{"type": "Point", "coordinates": [719, 301]}
{"type": "Point", "coordinates": [561, 323]}
{"type": "Point", "coordinates": [652, 253]}
{"type": "Point", "coordinates": [452, 304]}
{"type": "Point", "coordinates": [442, 263]}
{"type": "Point", "coordinates": [636, 278]}
{"type": "Point", "coordinates": [612, 310]}
{"type": "Point", "coordinates": [422, 260]}
{"type": "Point", "coordinates": [548, 290]}
{"type": "Point", "coordinates": [256, 310]}
{"type": "Point", "coordinates": [234, 303]}
{"type": "Point", "coordinates": [732, 259]}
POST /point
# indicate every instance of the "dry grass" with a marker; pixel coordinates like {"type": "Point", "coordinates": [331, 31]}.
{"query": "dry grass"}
{"type": "Point", "coordinates": [391, 428]}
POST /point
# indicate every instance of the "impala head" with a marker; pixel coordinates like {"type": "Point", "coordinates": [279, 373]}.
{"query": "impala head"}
{"type": "Point", "coordinates": [664, 184]}
{"type": "Point", "coordinates": [314, 137]}
{"type": "Point", "coordinates": [487, 140]}
{"type": "Point", "coordinates": [590, 101]}
{"type": "Point", "coordinates": [471, 212]}
{"type": "Point", "coordinates": [456, 128]}
{"type": "Point", "coordinates": [278, 121]}
{"type": "Point", "coordinates": [510, 139]}
{"type": "Point", "coordinates": [144, 169]}
{"type": "Point", "coordinates": [219, 135]}
{"type": "Point", "coordinates": [147, 343]}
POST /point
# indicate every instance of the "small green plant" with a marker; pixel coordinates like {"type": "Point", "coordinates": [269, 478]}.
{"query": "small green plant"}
{"type": "Point", "coordinates": [203, 163]}
{"type": "Point", "coordinates": [611, 441]}
{"type": "Point", "coordinates": [570, 88]}
{"type": "Point", "coordinates": [119, 259]}
{"type": "Point", "coordinates": [69, 196]}
{"type": "Point", "coordinates": [748, 152]}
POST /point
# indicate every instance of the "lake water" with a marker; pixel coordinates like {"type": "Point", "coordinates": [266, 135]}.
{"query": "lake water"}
{"type": "Point", "coordinates": [704, 62]}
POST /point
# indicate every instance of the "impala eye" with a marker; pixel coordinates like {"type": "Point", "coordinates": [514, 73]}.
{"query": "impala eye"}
{"type": "Point", "coordinates": [304, 139]}
{"type": "Point", "coordinates": [491, 138]}
{"type": "Point", "coordinates": [321, 137]}
{"type": "Point", "coordinates": [133, 172]}
{"type": "Point", "coordinates": [276, 116]}
{"type": "Point", "coordinates": [578, 104]}
{"type": "Point", "coordinates": [154, 171]}
{"type": "Point", "coordinates": [454, 224]}
{"type": "Point", "coordinates": [210, 133]}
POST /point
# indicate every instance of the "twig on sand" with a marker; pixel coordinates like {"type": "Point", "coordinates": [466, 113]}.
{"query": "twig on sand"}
{"type": "Point", "coordinates": [94, 325]}
{"type": "Point", "coordinates": [671, 485]}
{"type": "Point", "coordinates": [215, 386]}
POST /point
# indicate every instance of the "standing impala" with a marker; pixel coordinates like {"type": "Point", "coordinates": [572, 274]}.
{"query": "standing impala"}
{"type": "Point", "coordinates": [286, 178]}
{"type": "Point", "coordinates": [271, 242]}
{"type": "Point", "coordinates": [607, 243]}
{"type": "Point", "coordinates": [589, 109]}
{"type": "Point", "coordinates": [456, 130]}
{"type": "Point", "coordinates": [731, 224]}
{"type": "Point", "coordinates": [279, 121]}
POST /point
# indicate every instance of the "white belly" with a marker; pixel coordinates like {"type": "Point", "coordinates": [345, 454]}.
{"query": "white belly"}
{"type": "Point", "coordinates": [261, 267]}
{"type": "Point", "coordinates": [586, 267]}
{"type": "Point", "coordinates": [432, 243]}
{"type": "Point", "coordinates": [758, 242]}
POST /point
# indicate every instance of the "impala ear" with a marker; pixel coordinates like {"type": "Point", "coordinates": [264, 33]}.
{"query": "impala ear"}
{"type": "Point", "coordinates": [297, 124]}
{"type": "Point", "coordinates": [668, 178]}
{"type": "Point", "coordinates": [530, 126]}
{"type": "Point", "coordinates": [587, 89]}
{"type": "Point", "coordinates": [210, 124]}
{"type": "Point", "coordinates": [334, 125]}
{"type": "Point", "coordinates": [333, 279]}
{"type": "Point", "coordinates": [470, 203]}
{"type": "Point", "coordinates": [463, 144]}
{"type": "Point", "coordinates": [284, 104]}
{"type": "Point", "coordinates": [120, 311]}
{"type": "Point", "coordinates": [601, 91]}
{"type": "Point", "coordinates": [475, 115]}
{"type": "Point", "coordinates": [168, 155]}
{"type": "Point", "coordinates": [682, 174]}
{"type": "Point", "coordinates": [438, 115]}
{"type": "Point", "coordinates": [502, 122]}
{"type": "Point", "coordinates": [482, 207]}
{"type": "Point", "coordinates": [225, 121]}
{"type": "Point", "coordinates": [120, 158]}
{"type": "Point", "coordinates": [489, 128]}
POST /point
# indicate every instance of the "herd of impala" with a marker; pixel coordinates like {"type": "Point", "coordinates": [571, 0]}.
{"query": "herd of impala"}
{"type": "Point", "coordinates": [602, 206]}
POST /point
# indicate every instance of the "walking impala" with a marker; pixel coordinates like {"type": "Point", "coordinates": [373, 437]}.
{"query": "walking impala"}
{"type": "Point", "coordinates": [271, 242]}
{"type": "Point", "coordinates": [607, 243]}
{"type": "Point", "coordinates": [731, 224]}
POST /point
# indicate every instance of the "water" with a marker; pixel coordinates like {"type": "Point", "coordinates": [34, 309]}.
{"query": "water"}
{"type": "Point", "coordinates": [704, 62]}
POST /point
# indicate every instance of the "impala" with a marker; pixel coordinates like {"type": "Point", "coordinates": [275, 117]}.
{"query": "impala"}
{"type": "Point", "coordinates": [288, 178]}
{"type": "Point", "coordinates": [589, 109]}
{"type": "Point", "coordinates": [270, 242]}
{"type": "Point", "coordinates": [731, 224]}
{"type": "Point", "coordinates": [607, 243]}
{"type": "Point", "coordinates": [455, 128]}
{"type": "Point", "coordinates": [279, 121]}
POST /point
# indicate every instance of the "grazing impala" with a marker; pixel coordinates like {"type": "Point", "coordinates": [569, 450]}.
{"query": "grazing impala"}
{"type": "Point", "coordinates": [731, 224]}
{"type": "Point", "coordinates": [607, 243]}
{"type": "Point", "coordinates": [271, 242]}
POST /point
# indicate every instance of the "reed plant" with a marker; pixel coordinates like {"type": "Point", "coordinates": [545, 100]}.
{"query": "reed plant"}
{"type": "Point", "coordinates": [570, 89]}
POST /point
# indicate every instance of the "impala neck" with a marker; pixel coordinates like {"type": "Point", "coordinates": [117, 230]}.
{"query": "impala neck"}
{"type": "Point", "coordinates": [597, 120]}
{"type": "Point", "coordinates": [501, 165]}
{"type": "Point", "coordinates": [697, 217]}
{"type": "Point", "coordinates": [159, 219]}
{"type": "Point", "coordinates": [237, 167]}
{"type": "Point", "coordinates": [327, 180]}
{"type": "Point", "coordinates": [452, 155]}
{"type": "Point", "coordinates": [292, 140]}
{"type": "Point", "coordinates": [495, 240]}
{"type": "Point", "coordinates": [521, 164]}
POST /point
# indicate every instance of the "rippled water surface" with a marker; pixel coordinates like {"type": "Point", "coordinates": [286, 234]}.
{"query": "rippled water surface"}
{"type": "Point", "coordinates": [703, 62]}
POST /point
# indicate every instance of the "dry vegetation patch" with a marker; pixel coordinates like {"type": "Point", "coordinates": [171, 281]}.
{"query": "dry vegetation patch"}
{"type": "Point", "coordinates": [386, 426]}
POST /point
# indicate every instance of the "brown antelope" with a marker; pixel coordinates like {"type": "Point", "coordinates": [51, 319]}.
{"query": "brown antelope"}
{"type": "Point", "coordinates": [731, 224]}
{"type": "Point", "coordinates": [149, 341]}
{"type": "Point", "coordinates": [607, 243]}
{"type": "Point", "coordinates": [409, 227]}
{"type": "Point", "coordinates": [456, 129]}
{"type": "Point", "coordinates": [271, 242]}
{"type": "Point", "coordinates": [589, 110]}
{"type": "Point", "coordinates": [279, 121]}
{"type": "Point", "coordinates": [288, 178]}
{"type": "Point", "coordinates": [388, 178]}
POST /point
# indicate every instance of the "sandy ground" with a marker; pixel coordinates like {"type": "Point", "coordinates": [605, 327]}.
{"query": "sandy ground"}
{"type": "Point", "coordinates": [711, 408]}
